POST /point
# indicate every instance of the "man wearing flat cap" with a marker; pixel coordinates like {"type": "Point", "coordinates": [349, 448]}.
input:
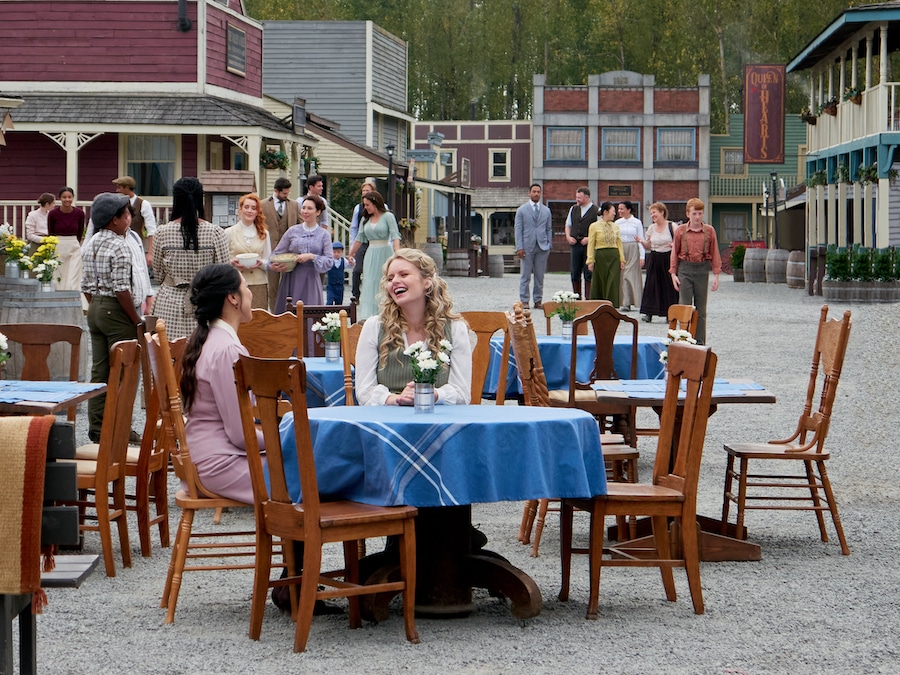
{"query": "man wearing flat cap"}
{"type": "Point", "coordinates": [144, 221]}
{"type": "Point", "coordinates": [107, 284]}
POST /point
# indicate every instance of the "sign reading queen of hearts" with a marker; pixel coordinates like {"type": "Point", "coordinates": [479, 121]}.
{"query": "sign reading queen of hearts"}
{"type": "Point", "coordinates": [764, 114]}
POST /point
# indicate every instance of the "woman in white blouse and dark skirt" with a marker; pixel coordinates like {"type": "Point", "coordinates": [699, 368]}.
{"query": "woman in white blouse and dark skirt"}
{"type": "Point", "coordinates": [659, 292]}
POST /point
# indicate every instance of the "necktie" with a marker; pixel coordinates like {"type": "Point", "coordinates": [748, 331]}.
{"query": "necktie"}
{"type": "Point", "coordinates": [280, 207]}
{"type": "Point", "coordinates": [535, 210]}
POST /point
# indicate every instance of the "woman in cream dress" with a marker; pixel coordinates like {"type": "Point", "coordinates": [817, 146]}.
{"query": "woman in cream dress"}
{"type": "Point", "coordinates": [250, 235]}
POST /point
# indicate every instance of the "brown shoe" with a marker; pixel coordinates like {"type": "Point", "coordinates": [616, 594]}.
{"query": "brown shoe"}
{"type": "Point", "coordinates": [539, 305]}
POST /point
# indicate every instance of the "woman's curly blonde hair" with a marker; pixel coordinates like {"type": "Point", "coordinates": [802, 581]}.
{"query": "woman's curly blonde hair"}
{"type": "Point", "coordinates": [438, 305]}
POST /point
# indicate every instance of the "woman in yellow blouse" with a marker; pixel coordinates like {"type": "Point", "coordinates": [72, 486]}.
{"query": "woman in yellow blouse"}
{"type": "Point", "coordinates": [605, 256]}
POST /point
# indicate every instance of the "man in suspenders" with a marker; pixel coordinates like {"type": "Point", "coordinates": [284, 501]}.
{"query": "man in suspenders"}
{"type": "Point", "coordinates": [144, 221]}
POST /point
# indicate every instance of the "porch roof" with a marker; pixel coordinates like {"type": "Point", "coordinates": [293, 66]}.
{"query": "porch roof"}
{"type": "Point", "coordinates": [841, 29]}
{"type": "Point", "coordinates": [161, 109]}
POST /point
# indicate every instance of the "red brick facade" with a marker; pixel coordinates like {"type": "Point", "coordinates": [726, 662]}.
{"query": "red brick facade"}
{"type": "Point", "coordinates": [676, 100]}
{"type": "Point", "coordinates": [566, 100]}
{"type": "Point", "coordinates": [621, 101]}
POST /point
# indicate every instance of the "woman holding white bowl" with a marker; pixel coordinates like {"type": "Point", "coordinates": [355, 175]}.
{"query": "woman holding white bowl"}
{"type": "Point", "coordinates": [250, 247]}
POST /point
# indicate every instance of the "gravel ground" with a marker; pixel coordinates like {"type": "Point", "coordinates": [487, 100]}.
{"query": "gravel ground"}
{"type": "Point", "coordinates": [804, 608]}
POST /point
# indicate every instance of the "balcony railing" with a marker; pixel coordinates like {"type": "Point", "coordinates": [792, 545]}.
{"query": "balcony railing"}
{"type": "Point", "coordinates": [724, 185]}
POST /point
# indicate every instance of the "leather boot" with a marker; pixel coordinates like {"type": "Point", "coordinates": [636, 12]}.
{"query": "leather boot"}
{"type": "Point", "coordinates": [576, 286]}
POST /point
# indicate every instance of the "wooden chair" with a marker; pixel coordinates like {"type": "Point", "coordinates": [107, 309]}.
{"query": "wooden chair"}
{"type": "Point", "coordinates": [581, 306]}
{"type": "Point", "coordinates": [349, 339]}
{"type": "Point", "coordinates": [605, 321]}
{"type": "Point", "coordinates": [105, 476]}
{"type": "Point", "coordinates": [683, 317]}
{"type": "Point", "coordinates": [188, 545]}
{"type": "Point", "coordinates": [484, 325]}
{"type": "Point", "coordinates": [148, 463]}
{"type": "Point", "coordinates": [806, 445]}
{"type": "Point", "coordinates": [36, 340]}
{"type": "Point", "coordinates": [620, 458]}
{"type": "Point", "coordinates": [312, 344]}
{"type": "Point", "coordinates": [673, 493]}
{"type": "Point", "coordinates": [312, 522]}
{"type": "Point", "coordinates": [277, 336]}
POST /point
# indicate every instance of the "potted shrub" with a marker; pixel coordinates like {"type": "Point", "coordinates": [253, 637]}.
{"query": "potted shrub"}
{"type": "Point", "coordinates": [853, 94]}
{"type": "Point", "coordinates": [860, 274]}
{"type": "Point", "coordinates": [829, 107]}
{"type": "Point", "coordinates": [808, 116]}
{"type": "Point", "coordinates": [737, 262]}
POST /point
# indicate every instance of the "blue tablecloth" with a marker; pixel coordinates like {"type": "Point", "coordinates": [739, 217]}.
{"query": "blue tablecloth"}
{"type": "Point", "coordinates": [15, 391]}
{"type": "Point", "coordinates": [556, 354]}
{"type": "Point", "coordinates": [324, 382]}
{"type": "Point", "coordinates": [385, 455]}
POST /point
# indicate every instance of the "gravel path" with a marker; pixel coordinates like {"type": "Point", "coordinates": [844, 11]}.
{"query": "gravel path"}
{"type": "Point", "coordinates": [804, 608]}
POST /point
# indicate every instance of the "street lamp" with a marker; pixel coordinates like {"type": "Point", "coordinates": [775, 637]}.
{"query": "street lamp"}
{"type": "Point", "coordinates": [390, 153]}
{"type": "Point", "coordinates": [775, 206]}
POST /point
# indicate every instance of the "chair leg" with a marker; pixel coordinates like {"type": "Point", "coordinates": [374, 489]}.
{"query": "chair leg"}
{"type": "Point", "coordinates": [179, 554]}
{"type": "Point", "coordinates": [122, 520]}
{"type": "Point", "coordinates": [742, 496]}
{"type": "Point", "coordinates": [817, 502]}
{"type": "Point", "coordinates": [829, 495]}
{"type": "Point", "coordinates": [217, 518]}
{"type": "Point", "coordinates": [565, 547]}
{"type": "Point", "coordinates": [690, 537]}
{"type": "Point", "coordinates": [527, 521]}
{"type": "Point", "coordinates": [142, 506]}
{"type": "Point", "coordinates": [632, 467]}
{"type": "Point", "coordinates": [312, 567]}
{"type": "Point", "coordinates": [595, 557]}
{"type": "Point", "coordinates": [104, 528]}
{"type": "Point", "coordinates": [161, 498]}
{"type": "Point", "coordinates": [544, 504]}
{"type": "Point", "coordinates": [361, 548]}
{"type": "Point", "coordinates": [664, 552]}
{"type": "Point", "coordinates": [408, 572]}
{"type": "Point", "coordinates": [262, 572]}
{"type": "Point", "coordinates": [351, 576]}
{"type": "Point", "coordinates": [726, 499]}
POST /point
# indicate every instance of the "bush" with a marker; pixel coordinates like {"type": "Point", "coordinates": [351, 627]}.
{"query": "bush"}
{"type": "Point", "coordinates": [883, 265]}
{"type": "Point", "coordinates": [737, 257]}
{"type": "Point", "coordinates": [861, 263]}
{"type": "Point", "coordinates": [837, 264]}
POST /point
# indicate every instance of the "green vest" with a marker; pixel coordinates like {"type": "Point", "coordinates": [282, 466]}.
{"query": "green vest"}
{"type": "Point", "coordinates": [397, 372]}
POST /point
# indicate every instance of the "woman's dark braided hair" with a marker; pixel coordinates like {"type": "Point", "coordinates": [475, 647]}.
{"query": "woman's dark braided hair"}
{"type": "Point", "coordinates": [187, 204]}
{"type": "Point", "coordinates": [210, 287]}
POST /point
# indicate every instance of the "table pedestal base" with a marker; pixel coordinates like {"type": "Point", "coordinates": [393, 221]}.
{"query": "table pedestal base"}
{"type": "Point", "coordinates": [448, 567]}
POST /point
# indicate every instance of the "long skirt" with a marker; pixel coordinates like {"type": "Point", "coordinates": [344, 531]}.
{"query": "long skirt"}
{"type": "Point", "coordinates": [659, 292]}
{"type": "Point", "coordinates": [606, 277]}
{"type": "Point", "coordinates": [69, 272]}
{"type": "Point", "coordinates": [632, 284]}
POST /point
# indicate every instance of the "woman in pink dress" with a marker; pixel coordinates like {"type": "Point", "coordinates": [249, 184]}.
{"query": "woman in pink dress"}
{"type": "Point", "coordinates": [222, 301]}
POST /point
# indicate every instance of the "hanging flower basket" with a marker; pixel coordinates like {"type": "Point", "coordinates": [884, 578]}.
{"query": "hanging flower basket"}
{"type": "Point", "coordinates": [273, 159]}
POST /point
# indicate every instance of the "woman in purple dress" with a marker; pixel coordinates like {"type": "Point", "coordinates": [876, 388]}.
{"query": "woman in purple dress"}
{"type": "Point", "coordinates": [314, 256]}
{"type": "Point", "coordinates": [222, 301]}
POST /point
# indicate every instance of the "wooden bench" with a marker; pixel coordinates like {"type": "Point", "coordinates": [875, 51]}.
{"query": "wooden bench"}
{"type": "Point", "coordinates": [59, 525]}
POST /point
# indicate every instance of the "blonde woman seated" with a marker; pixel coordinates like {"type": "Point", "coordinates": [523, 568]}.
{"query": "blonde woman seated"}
{"type": "Point", "coordinates": [414, 306]}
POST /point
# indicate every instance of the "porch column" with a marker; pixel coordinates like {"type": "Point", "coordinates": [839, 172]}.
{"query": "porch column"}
{"type": "Point", "coordinates": [843, 81]}
{"type": "Point", "coordinates": [72, 160]}
{"type": "Point", "coordinates": [254, 142]}
{"type": "Point", "coordinates": [854, 57]}
{"type": "Point", "coordinates": [862, 212]}
{"type": "Point", "coordinates": [883, 215]}
{"type": "Point", "coordinates": [883, 56]}
{"type": "Point", "coordinates": [868, 61]}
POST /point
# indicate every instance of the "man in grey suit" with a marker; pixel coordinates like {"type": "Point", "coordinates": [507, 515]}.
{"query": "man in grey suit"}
{"type": "Point", "coordinates": [533, 236]}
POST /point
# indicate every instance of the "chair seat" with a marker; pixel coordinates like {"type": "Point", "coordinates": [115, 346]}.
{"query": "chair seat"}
{"type": "Point", "coordinates": [91, 450]}
{"type": "Point", "coordinates": [619, 453]}
{"type": "Point", "coordinates": [345, 513]}
{"type": "Point", "coordinates": [560, 397]}
{"type": "Point", "coordinates": [773, 451]}
{"type": "Point", "coordinates": [86, 468]}
{"type": "Point", "coordinates": [185, 501]}
{"type": "Point", "coordinates": [638, 492]}
{"type": "Point", "coordinates": [607, 439]}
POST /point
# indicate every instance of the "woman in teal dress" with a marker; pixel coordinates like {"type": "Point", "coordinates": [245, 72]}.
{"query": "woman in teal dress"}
{"type": "Point", "coordinates": [379, 230]}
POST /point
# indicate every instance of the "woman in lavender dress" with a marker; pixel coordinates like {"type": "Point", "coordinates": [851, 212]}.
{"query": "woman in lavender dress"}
{"type": "Point", "coordinates": [312, 246]}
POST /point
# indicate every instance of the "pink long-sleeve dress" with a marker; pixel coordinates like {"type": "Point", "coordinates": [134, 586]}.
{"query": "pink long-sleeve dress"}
{"type": "Point", "coordinates": [213, 429]}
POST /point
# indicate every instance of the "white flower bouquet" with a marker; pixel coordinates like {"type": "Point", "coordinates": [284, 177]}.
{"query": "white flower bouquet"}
{"type": "Point", "coordinates": [677, 335]}
{"type": "Point", "coordinates": [4, 349]}
{"type": "Point", "coordinates": [565, 310]}
{"type": "Point", "coordinates": [426, 365]}
{"type": "Point", "coordinates": [329, 327]}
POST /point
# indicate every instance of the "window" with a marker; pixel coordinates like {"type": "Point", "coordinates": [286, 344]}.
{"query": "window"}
{"type": "Point", "coordinates": [734, 227]}
{"type": "Point", "coordinates": [236, 51]}
{"type": "Point", "coordinates": [621, 145]}
{"type": "Point", "coordinates": [150, 160]}
{"type": "Point", "coordinates": [676, 145]}
{"type": "Point", "coordinates": [733, 162]}
{"type": "Point", "coordinates": [498, 159]}
{"type": "Point", "coordinates": [565, 144]}
{"type": "Point", "coordinates": [239, 159]}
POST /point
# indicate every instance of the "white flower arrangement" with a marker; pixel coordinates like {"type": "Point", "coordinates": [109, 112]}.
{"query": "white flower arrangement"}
{"type": "Point", "coordinates": [677, 335]}
{"type": "Point", "coordinates": [4, 349]}
{"type": "Point", "coordinates": [565, 310]}
{"type": "Point", "coordinates": [329, 327]}
{"type": "Point", "coordinates": [426, 365]}
{"type": "Point", "coordinates": [475, 239]}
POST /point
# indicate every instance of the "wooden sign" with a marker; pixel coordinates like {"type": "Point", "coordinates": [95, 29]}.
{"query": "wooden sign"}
{"type": "Point", "coordinates": [619, 190]}
{"type": "Point", "coordinates": [764, 114]}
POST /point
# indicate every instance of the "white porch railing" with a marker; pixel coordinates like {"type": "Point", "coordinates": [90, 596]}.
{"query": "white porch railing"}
{"type": "Point", "coordinates": [878, 112]}
{"type": "Point", "coordinates": [340, 228]}
{"type": "Point", "coordinates": [15, 212]}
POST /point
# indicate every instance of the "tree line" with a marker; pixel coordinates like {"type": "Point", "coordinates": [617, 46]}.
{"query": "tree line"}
{"type": "Point", "coordinates": [474, 59]}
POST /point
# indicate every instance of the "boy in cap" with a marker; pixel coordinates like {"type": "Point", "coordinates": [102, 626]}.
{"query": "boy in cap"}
{"type": "Point", "coordinates": [107, 285]}
{"type": "Point", "coordinates": [334, 291]}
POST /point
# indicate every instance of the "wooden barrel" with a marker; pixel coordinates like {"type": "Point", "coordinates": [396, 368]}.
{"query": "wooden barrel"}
{"type": "Point", "coordinates": [495, 266]}
{"type": "Point", "coordinates": [436, 253]}
{"type": "Point", "coordinates": [776, 265]}
{"type": "Point", "coordinates": [22, 301]}
{"type": "Point", "coordinates": [796, 270]}
{"type": "Point", "coordinates": [457, 263]}
{"type": "Point", "coordinates": [755, 265]}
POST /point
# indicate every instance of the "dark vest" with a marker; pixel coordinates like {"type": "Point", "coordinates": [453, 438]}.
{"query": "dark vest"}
{"type": "Point", "coordinates": [581, 224]}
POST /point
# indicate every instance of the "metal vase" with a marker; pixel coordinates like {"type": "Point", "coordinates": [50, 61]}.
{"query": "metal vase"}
{"type": "Point", "coordinates": [424, 397]}
{"type": "Point", "coordinates": [567, 330]}
{"type": "Point", "coordinates": [332, 351]}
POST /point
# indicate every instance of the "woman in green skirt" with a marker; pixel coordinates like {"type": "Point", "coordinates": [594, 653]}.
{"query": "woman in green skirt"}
{"type": "Point", "coordinates": [605, 256]}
